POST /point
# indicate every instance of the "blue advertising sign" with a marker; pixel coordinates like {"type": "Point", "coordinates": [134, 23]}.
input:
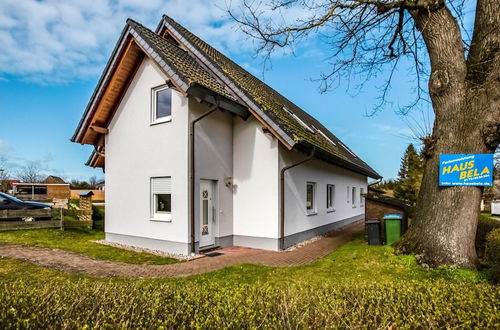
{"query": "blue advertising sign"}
{"type": "Point", "coordinates": [466, 169]}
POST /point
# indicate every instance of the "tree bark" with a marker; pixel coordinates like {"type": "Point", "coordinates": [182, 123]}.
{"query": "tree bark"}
{"type": "Point", "coordinates": [465, 96]}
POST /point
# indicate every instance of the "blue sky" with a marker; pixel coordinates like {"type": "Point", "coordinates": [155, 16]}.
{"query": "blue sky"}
{"type": "Point", "coordinates": [54, 53]}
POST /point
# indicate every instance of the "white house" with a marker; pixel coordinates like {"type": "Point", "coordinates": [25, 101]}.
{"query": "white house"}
{"type": "Point", "coordinates": [200, 153]}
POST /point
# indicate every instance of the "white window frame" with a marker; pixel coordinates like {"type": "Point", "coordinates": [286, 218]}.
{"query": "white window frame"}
{"type": "Point", "coordinates": [361, 197]}
{"type": "Point", "coordinates": [326, 137]}
{"type": "Point", "coordinates": [354, 197]}
{"type": "Point", "coordinates": [349, 150]}
{"type": "Point", "coordinates": [157, 216]}
{"type": "Point", "coordinates": [313, 210]}
{"type": "Point", "coordinates": [155, 120]}
{"type": "Point", "coordinates": [330, 198]}
{"type": "Point", "coordinates": [301, 122]}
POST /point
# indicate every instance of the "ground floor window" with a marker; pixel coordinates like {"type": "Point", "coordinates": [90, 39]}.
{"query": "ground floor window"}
{"type": "Point", "coordinates": [330, 197]}
{"type": "Point", "coordinates": [161, 198]}
{"type": "Point", "coordinates": [353, 196]}
{"type": "Point", "coordinates": [361, 196]}
{"type": "Point", "coordinates": [348, 194]}
{"type": "Point", "coordinates": [311, 197]}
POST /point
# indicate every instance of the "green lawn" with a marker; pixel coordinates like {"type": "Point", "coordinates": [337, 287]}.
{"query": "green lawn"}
{"type": "Point", "coordinates": [357, 286]}
{"type": "Point", "coordinates": [80, 241]}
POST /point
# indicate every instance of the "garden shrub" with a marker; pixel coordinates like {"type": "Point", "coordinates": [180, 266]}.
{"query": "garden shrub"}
{"type": "Point", "coordinates": [97, 213]}
{"type": "Point", "coordinates": [98, 217]}
{"type": "Point", "coordinates": [492, 254]}
{"type": "Point", "coordinates": [484, 226]}
{"type": "Point", "coordinates": [108, 305]}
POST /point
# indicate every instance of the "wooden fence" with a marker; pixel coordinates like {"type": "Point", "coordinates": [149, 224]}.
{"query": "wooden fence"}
{"type": "Point", "coordinates": [51, 214]}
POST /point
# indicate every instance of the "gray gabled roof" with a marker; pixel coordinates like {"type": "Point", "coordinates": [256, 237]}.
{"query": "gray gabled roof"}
{"type": "Point", "coordinates": [293, 124]}
{"type": "Point", "coordinates": [200, 70]}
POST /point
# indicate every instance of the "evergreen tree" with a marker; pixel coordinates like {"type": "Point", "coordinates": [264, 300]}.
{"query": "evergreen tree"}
{"type": "Point", "coordinates": [409, 176]}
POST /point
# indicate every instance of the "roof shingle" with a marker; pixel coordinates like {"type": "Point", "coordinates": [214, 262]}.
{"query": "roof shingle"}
{"type": "Point", "coordinates": [281, 110]}
{"type": "Point", "coordinates": [184, 65]}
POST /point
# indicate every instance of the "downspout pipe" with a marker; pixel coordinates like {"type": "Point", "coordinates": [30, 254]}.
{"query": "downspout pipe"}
{"type": "Point", "coordinates": [211, 110]}
{"type": "Point", "coordinates": [282, 197]}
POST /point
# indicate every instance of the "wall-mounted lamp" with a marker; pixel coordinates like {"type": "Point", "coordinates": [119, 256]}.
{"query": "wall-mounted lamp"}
{"type": "Point", "coordinates": [228, 181]}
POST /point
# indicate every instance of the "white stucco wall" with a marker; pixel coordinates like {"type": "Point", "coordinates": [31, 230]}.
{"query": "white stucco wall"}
{"type": "Point", "coordinates": [214, 161]}
{"type": "Point", "coordinates": [137, 151]}
{"type": "Point", "coordinates": [256, 168]}
{"type": "Point", "coordinates": [322, 173]}
{"type": "Point", "coordinates": [226, 146]}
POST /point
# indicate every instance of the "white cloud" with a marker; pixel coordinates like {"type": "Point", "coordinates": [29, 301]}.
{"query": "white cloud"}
{"type": "Point", "coordinates": [51, 41]}
{"type": "Point", "coordinates": [4, 145]}
{"type": "Point", "coordinates": [394, 130]}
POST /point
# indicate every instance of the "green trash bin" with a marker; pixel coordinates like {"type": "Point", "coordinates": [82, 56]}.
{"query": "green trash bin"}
{"type": "Point", "coordinates": [392, 223]}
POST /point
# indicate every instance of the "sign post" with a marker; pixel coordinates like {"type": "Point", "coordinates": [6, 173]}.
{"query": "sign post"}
{"type": "Point", "coordinates": [465, 170]}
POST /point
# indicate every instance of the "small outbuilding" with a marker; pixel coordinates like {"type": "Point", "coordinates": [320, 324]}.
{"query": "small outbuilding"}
{"type": "Point", "coordinates": [50, 188]}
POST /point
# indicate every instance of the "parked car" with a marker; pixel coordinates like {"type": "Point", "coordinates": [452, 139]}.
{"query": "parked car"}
{"type": "Point", "coordinates": [8, 202]}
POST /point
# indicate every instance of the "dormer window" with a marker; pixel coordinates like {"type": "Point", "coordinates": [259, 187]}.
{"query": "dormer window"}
{"type": "Point", "coordinates": [161, 98]}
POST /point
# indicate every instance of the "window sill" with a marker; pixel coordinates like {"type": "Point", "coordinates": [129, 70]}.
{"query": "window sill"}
{"type": "Point", "coordinates": [354, 206]}
{"type": "Point", "coordinates": [160, 219]}
{"type": "Point", "coordinates": [330, 211]}
{"type": "Point", "coordinates": [308, 213]}
{"type": "Point", "coordinates": [161, 121]}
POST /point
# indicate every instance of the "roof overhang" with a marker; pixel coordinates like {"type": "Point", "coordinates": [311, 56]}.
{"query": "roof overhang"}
{"type": "Point", "coordinates": [209, 96]}
{"type": "Point", "coordinates": [96, 159]}
{"type": "Point", "coordinates": [128, 54]}
{"type": "Point", "coordinates": [335, 160]}
{"type": "Point", "coordinates": [255, 109]}
{"type": "Point", "coordinates": [387, 200]}
{"type": "Point", "coordinates": [39, 184]}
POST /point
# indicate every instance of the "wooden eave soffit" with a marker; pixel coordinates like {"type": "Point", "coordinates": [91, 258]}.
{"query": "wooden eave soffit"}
{"type": "Point", "coordinates": [116, 87]}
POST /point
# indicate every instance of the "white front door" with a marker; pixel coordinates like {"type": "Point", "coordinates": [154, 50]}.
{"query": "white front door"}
{"type": "Point", "coordinates": [207, 215]}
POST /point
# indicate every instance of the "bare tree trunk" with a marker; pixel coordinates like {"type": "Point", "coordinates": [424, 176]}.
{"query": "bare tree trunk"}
{"type": "Point", "coordinates": [465, 97]}
{"type": "Point", "coordinates": [465, 94]}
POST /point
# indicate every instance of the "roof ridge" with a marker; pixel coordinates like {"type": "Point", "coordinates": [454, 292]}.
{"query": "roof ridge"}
{"type": "Point", "coordinates": [246, 71]}
{"type": "Point", "coordinates": [156, 41]}
{"type": "Point", "coordinates": [291, 122]}
{"type": "Point", "coordinates": [242, 80]}
{"type": "Point", "coordinates": [276, 93]}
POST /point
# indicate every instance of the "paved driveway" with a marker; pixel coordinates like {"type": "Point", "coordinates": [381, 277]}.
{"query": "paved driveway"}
{"type": "Point", "coordinates": [79, 264]}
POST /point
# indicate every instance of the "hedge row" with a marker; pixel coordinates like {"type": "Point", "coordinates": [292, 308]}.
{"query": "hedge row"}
{"type": "Point", "coordinates": [492, 254]}
{"type": "Point", "coordinates": [106, 305]}
{"type": "Point", "coordinates": [484, 226]}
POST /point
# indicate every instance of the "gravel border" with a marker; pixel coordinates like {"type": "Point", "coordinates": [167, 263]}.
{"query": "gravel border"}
{"type": "Point", "coordinates": [303, 243]}
{"type": "Point", "coordinates": [143, 250]}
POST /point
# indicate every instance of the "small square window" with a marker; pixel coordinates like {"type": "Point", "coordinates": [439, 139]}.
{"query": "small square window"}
{"type": "Point", "coordinates": [311, 198]}
{"type": "Point", "coordinates": [161, 199]}
{"type": "Point", "coordinates": [330, 197]}
{"type": "Point", "coordinates": [161, 104]}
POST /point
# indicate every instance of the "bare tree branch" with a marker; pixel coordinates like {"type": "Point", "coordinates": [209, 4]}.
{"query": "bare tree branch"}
{"type": "Point", "coordinates": [31, 173]}
{"type": "Point", "coordinates": [366, 37]}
